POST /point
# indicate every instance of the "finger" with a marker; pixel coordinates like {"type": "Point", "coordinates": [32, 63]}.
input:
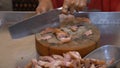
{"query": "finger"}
{"type": "Point", "coordinates": [72, 2]}
{"type": "Point", "coordinates": [72, 9]}
{"type": "Point", "coordinates": [65, 9]}
{"type": "Point", "coordinates": [41, 10]}
{"type": "Point", "coordinates": [50, 9]}
{"type": "Point", "coordinates": [77, 5]}
{"type": "Point", "coordinates": [43, 7]}
{"type": "Point", "coordinates": [37, 12]}
{"type": "Point", "coordinates": [82, 4]}
{"type": "Point", "coordinates": [38, 9]}
{"type": "Point", "coordinates": [72, 6]}
{"type": "Point", "coordinates": [66, 6]}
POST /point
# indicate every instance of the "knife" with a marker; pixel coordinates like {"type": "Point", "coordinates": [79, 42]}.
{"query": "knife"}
{"type": "Point", "coordinates": [35, 24]}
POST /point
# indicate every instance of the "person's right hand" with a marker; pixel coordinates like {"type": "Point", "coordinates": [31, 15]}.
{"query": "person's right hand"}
{"type": "Point", "coordinates": [44, 6]}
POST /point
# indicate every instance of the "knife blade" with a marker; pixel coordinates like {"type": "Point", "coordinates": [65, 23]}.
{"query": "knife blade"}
{"type": "Point", "coordinates": [35, 24]}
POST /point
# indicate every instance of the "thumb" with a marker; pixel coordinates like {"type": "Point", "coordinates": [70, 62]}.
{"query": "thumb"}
{"type": "Point", "coordinates": [41, 10]}
{"type": "Point", "coordinates": [65, 9]}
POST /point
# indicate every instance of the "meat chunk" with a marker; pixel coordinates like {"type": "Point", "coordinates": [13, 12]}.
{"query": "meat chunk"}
{"type": "Point", "coordinates": [57, 57]}
{"type": "Point", "coordinates": [89, 32]}
{"type": "Point", "coordinates": [47, 30]}
{"type": "Point", "coordinates": [83, 19]}
{"type": "Point", "coordinates": [70, 59]}
{"type": "Point", "coordinates": [46, 37]}
{"type": "Point", "coordinates": [62, 36]}
{"type": "Point", "coordinates": [74, 28]}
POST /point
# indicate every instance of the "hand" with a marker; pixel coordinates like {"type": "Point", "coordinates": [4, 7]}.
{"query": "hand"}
{"type": "Point", "coordinates": [44, 6]}
{"type": "Point", "coordinates": [69, 6]}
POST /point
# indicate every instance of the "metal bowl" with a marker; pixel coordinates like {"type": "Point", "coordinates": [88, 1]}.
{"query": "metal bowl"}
{"type": "Point", "coordinates": [107, 53]}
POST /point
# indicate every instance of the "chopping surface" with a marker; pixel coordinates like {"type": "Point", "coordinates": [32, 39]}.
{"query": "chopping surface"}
{"type": "Point", "coordinates": [15, 52]}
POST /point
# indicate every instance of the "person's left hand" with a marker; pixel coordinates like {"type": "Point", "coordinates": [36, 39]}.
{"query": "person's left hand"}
{"type": "Point", "coordinates": [69, 6]}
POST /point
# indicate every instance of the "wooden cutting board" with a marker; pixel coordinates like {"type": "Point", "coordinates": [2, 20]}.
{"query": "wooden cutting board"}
{"type": "Point", "coordinates": [82, 44]}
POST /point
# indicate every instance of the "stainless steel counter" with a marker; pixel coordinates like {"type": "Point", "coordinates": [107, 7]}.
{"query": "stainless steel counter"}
{"type": "Point", "coordinates": [17, 52]}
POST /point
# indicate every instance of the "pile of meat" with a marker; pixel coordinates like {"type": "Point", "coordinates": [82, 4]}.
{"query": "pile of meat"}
{"type": "Point", "coordinates": [61, 35]}
{"type": "Point", "coordinates": [64, 35]}
{"type": "Point", "coordinates": [70, 59]}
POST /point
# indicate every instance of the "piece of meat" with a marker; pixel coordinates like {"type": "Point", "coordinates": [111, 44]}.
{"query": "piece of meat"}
{"type": "Point", "coordinates": [70, 59]}
{"type": "Point", "coordinates": [57, 63]}
{"type": "Point", "coordinates": [46, 58]}
{"type": "Point", "coordinates": [97, 62]}
{"type": "Point", "coordinates": [46, 37]}
{"type": "Point", "coordinates": [111, 61]}
{"type": "Point", "coordinates": [53, 64]}
{"type": "Point", "coordinates": [57, 57]}
{"type": "Point", "coordinates": [75, 55]}
{"type": "Point", "coordinates": [83, 19]}
{"type": "Point", "coordinates": [47, 30]}
{"type": "Point", "coordinates": [100, 62]}
{"type": "Point", "coordinates": [62, 36]}
{"type": "Point", "coordinates": [66, 18]}
{"type": "Point", "coordinates": [75, 64]}
{"type": "Point", "coordinates": [67, 64]}
{"type": "Point", "coordinates": [92, 66]}
{"type": "Point", "coordinates": [34, 62]}
{"type": "Point", "coordinates": [64, 39]}
{"type": "Point", "coordinates": [29, 65]}
{"type": "Point", "coordinates": [89, 32]}
{"type": "Point", "coordinates": [74, 28]}
{"type": "Point", "coordinates": [87, 63]}
{"type": "Point", "coordinates": [42, 63]}
{"type": "Point", "coordinates": [67, 57]}
{"type": "Point", "coordinates": [37, 66]}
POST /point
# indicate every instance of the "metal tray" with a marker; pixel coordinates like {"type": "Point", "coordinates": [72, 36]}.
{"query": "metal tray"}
{"type": "Point", "coordinates": [20, 51]}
